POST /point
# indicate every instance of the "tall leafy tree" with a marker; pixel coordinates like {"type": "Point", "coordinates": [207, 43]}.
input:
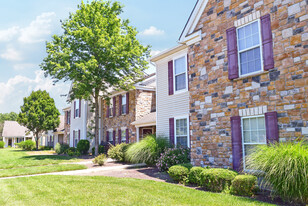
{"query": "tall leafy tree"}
{"type": "Point", "coordinates": [98, 50]}
{"type": "Point", "coordinates": [39, 113]}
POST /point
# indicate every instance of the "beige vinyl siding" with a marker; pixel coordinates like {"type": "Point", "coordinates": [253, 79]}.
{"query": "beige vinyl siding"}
{"type": "Point", "coordinates": [168, 106]}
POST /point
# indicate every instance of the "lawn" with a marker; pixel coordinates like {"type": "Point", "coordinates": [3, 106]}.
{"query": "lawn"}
{"type": "Point", "coordinates": [15, 162]}
{"type": "Point", "coordinates": [81, 190]}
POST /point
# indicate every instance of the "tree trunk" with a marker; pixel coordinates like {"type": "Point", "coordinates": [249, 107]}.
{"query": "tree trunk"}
{"type": "Point", "coordinates": [36, 140]}
{"type": "Point", "coordinates": [96, 121]}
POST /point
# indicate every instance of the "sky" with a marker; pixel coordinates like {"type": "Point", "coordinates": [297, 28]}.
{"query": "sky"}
{"type": "Point", "coordinates": [26, 26]}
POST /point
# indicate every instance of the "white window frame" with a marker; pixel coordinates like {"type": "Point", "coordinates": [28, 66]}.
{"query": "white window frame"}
{"type": "Point", "coordinates": [76, 138]}
{"type": "Point", "coordinates": [110, 133]}
{"type": "Point", "coordinates": [123, 96]}
{"type": "Point", "coordinates": [186, 77]}
{"type": "Point", "coordinates": [253, 47]}
{"type": "Point", "coordinates": [111, 108]}
{"type": "Point", "coordinates": [188, 131]}
{"type": "Point", "coordinates": [123, 130]}
{"type": "Point", "coordinates": [243, 144]}
{"type": "Point", "coordinates": [77, 109]}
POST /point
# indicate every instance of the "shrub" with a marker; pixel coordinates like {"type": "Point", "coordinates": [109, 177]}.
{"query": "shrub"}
{"type": "Point", "coordinates": [101, 150]}
{"type": "Point", "coordinates": [194, 176]}
{"type": "Point", "coordinates": [1, 144]}
{"type": "Point", "coordinates": [100, 160]}
{"type": "Point", "coordinates": [187, 165]}
{"type": "Point", "coordinates": [284, 169]}
{"type": "Point", "coordinates": [83, 146]}
{"type": "Point", "coordinates": [173, 156]}
{"type": "Point", "coordinates": [27, 145]}
{"type": "Point", "coordinates": [244, 185]}
{"type": "Point", "coordinates": [61, 148]}
{"type": "Point", "coordinates": [178, 173]}
{"type": "Point", "coordinates": [118, 152]}
{"type": "Point", "coordinates": [45, 148]}
{"type": "Point", "coordinates": [147, 150]}
{"type": "Point", "coordinates": [217, 179]}
{"type": "Point", "coordinates": [72, 151]}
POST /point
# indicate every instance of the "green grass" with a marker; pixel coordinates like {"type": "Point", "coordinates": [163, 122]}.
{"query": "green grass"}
{"type": "Point", "coordinates": [16, 158]}
{"type": "Point", "coordinates": [75, 190]}
{"type": "Point", "coordinates": [39, 170]}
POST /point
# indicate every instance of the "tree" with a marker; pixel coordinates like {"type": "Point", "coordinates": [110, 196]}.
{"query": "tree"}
{"type": "Point", "coordinates": [39, 113]}
{"type": "Point", "coordinates": [98, 50]}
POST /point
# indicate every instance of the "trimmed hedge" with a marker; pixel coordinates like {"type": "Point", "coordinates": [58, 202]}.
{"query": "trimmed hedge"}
{"type": "Point", "coordinates": [61, 148]}
{"type": "Point", "coordinates": [1, 144]}
{"type": "Point", "coordinates": [244, 185]}
{"type": "Point", "coordinates": [27, 145]}
{"type": "Point", "coordinates": [178, 173]}
{"type": "Point", "coordinates": [101, 150]}
{"type": "Point", "coordinates": [194, 176]}
{"type": "Point", "coordinates": [83, 146]}
{"type": "Point", "coordinates": [217, 179]}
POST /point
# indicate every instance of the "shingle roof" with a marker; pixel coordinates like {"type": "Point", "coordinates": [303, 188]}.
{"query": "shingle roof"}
{"type": "Point", "coordinates": [147, 119]}
{"type": "Point", "coordinates": [13, 129]}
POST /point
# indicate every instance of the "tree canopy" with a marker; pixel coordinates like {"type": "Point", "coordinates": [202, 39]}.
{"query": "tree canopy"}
{"type": "Point", "coordinates": [97, 50]}
{"type": "Point", "coordinates": [39, 113]}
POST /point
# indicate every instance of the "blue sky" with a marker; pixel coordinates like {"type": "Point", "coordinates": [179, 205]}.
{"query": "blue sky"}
{"type": "Point", "coordinates": [27, 25]}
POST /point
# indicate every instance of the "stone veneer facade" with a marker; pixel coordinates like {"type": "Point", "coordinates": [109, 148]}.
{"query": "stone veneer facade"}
{"type": "Point", "coordinates": [214, 98]}
{"type": "Point", "coordinates": [66, 127]}
{"type": "Point", "coordinates": [141, 102]}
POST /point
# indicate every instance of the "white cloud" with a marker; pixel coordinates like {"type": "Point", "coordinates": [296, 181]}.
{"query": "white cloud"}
{"type": "Point", "coordinates": [25, 66]}
{"type": "Point", "coordinates": [8, 34]}
{"type": "Point", "coordinates": [11, 54]}
{"type": "Point", "coordinates": [38, 29]}
{"type": "Point", "coordinates": [152, 31]}
{"type": "Point", "coordinates": [154, 52]}
{"type": "Point", "coordinates": [13, 91]}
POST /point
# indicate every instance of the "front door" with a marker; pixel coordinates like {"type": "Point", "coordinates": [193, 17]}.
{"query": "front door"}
{"type": "Point", "coordinates": [146, 132]}
{"type": "Point", "coordinates": [10, 142]}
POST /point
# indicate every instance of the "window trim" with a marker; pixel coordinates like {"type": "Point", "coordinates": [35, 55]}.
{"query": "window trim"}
{"type": "Point", "coordinates": [110, 132]}
{"type": "Point", "coordinates": [186, 77]}
{"type": "Point", "coordinates": [188, 131]}
{"type": "Point", "coordinates": [77, 102]}
{"type": "Point", "coordinates": [110, 109]}
{"type": "Point", "coordinates": [124, 96]}
{"type": "Point", "coordinates": [260, 45]}
{"type": "Point", "coordinates": [242, 130]}
{"type": "Point", "coordinates": [123, 136]}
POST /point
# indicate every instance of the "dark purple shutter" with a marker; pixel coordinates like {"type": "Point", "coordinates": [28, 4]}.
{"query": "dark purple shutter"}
{"type": "Point", "coordinates": [114, 107]}
{"type": "Point", "coordinates": [267, 42]}
{"type": "Point", "coordinates": [127, 136]}
{"type": "Point", "coordinates": [114, 137]}
{"type": "Point", "coordinates": [78, 135]}
{"type": "Point", "coordinates": [188, 72]}
{"type": "Point", "coordinates": [74, 138]}
{"type": "Point", "coordinates": [80, 108]}
{"type": "Point", "coordinates": [107, 136]}
{"type": "Point", "coordinates": [237, 150]}
{"type": "Point", "coordinates": [272, 132]}
{"type": "Point", "coordinates": [171, 131]}
{"type": "Point", "coordinates": [120, 105]}
{"type": "Point", "coordinates": [119, 136]}
{"type": "Point", "coordinates": [232, 53]}
{"type": "Point", "coordinates": [74, 109]}
{"type": "Point", "coordinates": [170, 77]}
{"type": "Point", "coordinates": [127, 102]}
{"type": "Point", "coordinates": [108, 109]}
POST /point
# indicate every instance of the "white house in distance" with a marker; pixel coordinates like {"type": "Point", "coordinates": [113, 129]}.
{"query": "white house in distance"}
{"type": "Point", "coordinates": [15, 133]}
{"type": "Point", "coordinates": [51, 138]}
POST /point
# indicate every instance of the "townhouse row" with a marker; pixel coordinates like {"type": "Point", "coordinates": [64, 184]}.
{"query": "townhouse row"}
{"type": "Point", "coordinates": [238, 78]}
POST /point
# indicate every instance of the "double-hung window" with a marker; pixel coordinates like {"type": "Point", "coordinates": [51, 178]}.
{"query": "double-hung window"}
{"type": "Point", "coordinates": [181, 132]}
{"type": "Point", "coordinates": [123, 135]}
{"type": "Point", "coordinates": [76, 137]}
{"type": "Point", "coordinates": [77, 108]}
{"type": "Point", "coordinates": [180, 74]}
{"type": "Point", "coordinates": [123, 104]}
{"type": "Point", "coordinates": [110, 109]}
{"type": "Point", "coordinates": [249, 48]}
{"type": "Point", "coordinates": [110, 138]}
{"type": "Point", "coordinates": [254, 134]}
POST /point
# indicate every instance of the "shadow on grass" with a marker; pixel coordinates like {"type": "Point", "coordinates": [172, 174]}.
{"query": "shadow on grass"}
{"type": "Point", "coordinates": [48, 157]}
{"type": "Point", "coordinates": [155, 173]}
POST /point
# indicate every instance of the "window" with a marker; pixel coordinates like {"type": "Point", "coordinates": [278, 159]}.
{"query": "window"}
{"type": "Point", "coordinates": [249, 48]}
{"type": "Point", "coordinates": [123, 104]}
{"type": "Point", "coordinates": [76, 137]}
{"type": "Point", "coordinates": [110, 138]}
{"type": "Point", "coordinates": [110, 109]}
{"type": "Point", "coordinates": [181, 132]}
{"type": "Point", "coordinates": [180, 76]}
{"type": "Point", "coordinates": [254, 133]}
{"type": "Point", "coordinates": [68, 117]}
{"type": "Point", "coordinates": [77, 108]}
{"type": "Point", "coordinates": [123, 135]}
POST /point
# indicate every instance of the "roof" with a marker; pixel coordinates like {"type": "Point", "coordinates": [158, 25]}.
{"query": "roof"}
{"type": "Point", "coordinates": [149, 119]}
{"type": "Point", "coordinates": [13, 129]}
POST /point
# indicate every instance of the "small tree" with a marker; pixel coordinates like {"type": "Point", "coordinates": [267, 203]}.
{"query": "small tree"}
{"type": "Point", "coordinates": [97, 51]}
{"type": "Point", "coordinates": [39, 113]}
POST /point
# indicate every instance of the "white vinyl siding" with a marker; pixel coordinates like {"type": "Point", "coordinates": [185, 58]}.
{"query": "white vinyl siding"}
{"type": "Point", "coordinates": [168, 106]}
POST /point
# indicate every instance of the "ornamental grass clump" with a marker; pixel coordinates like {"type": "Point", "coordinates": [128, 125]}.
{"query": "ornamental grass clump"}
{"type": "Point", "coordinates": [284, 168]}
{"type": "Point", "coordinates": [147, 150]}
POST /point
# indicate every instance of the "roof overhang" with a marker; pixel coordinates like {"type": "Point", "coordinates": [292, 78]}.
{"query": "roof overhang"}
{"type": "Point", "coordinates": [168, 52]}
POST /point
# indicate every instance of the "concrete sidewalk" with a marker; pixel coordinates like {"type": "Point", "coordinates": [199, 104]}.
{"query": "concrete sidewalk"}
{"type": "Point", "coordinates": [85, 171]}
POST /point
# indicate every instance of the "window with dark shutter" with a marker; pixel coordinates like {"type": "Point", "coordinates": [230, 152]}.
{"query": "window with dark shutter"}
{"type": "Point", "coordinates": [127, 102]}
{"type": "Point", "coordinates": [78, 135]}
{"type": "Point", "coordinates": [74, 109]}
{"type": "Point", "coordinates": [79, 115]}
{"type": "Point", "coordinates": [107, 136]}
{"type": "Point", "coordinates": [114, 107]}
{"type": "Point", "coordinates": [170, 77]}
{"type": "Point", "coordinates": [267, 42]}
{"type": "Point", "coordinates": [119, 136]}
{"type": "Point", "coordinates": [232, 54]}
{"type": "Point", "coordinates": [188, 72]}
{"type": "Point", "coordinates": [237, 150]}
{"type": "Point", "coordinates": [120, 105]}
{"type": "Point", "coordinates": [108, 110]}
{"type": "Point", "coordinates": [114, 137]}
{"type": "Point", "coordinates": [127, 136]}
{"type": "Point", "coordinates": [272, 132]}
{"type": "Point", "coordinates": [74, 138]}
{"type": "Point", "coordinates": [171, 131]}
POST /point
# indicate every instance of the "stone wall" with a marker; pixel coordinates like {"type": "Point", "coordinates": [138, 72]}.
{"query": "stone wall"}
{"type": "Point", "coordinates": [145, 103]}
{"type": "Point", "coordinates": [214, 98]}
